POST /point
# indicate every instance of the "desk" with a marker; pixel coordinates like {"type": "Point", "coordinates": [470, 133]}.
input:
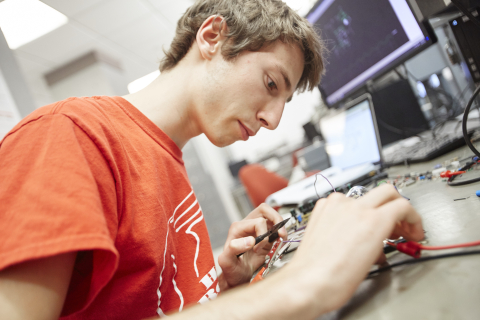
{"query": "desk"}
{"type": "Point", "coordinates": [440, 289]}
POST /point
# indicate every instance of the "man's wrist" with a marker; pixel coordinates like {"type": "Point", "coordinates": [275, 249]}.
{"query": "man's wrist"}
{"type": "Point", "coordinates": [308, 291]}
{"type": "Point", "coordinates": [222, 283]}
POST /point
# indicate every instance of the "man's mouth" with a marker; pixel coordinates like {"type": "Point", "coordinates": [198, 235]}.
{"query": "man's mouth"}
{"type": "Point", "coordinates": [246, 132]}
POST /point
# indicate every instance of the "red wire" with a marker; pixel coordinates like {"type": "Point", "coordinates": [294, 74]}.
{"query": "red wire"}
{"type": "Point", "coordinates": [460, 245]}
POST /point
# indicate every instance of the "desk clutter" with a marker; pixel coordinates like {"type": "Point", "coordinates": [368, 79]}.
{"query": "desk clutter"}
{"type": "Point", "coordinates": [466, 170]}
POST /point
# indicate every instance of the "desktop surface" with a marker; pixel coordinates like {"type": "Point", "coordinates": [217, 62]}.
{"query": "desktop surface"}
{"type": "Point", "coordinates": [439, 289]}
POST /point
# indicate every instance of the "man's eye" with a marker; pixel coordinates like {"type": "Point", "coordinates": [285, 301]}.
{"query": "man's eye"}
{"type": "Point", "coordinates": [271, 84]}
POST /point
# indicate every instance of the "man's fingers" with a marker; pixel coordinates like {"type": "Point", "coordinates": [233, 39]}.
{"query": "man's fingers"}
{"type": "Point", "coordinates": [247, 227]}
{"type": "Point", "coordinates": [228, 258]}
{"type": "Point", "coordinates": [240, 245]}
{"type": "Point", "coordinates": [380, 196]}
{"type": "Point", "coordinates": [272, 216]}
{"type": "Point", "coordinates": [263, 247]}
{"type": "Point", "coordinates": [319, 206]}
{"type": "Point", "coordinates": [381, 259]}
{"type": "Point", "coordinates": [408, 222]}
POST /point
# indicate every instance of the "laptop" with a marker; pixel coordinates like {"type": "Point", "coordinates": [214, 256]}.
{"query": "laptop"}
{"type": "Point", "coordinates": [353, 146]}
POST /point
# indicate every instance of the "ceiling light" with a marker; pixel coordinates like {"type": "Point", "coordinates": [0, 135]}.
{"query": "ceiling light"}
{"type": "Point", "coordinates": [142, 82]}
{"type": "Point", "coordinates": [23, 21]}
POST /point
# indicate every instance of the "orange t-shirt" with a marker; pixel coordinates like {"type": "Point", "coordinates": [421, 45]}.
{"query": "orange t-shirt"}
{"type": "Point", "coordinates": [95, 176]}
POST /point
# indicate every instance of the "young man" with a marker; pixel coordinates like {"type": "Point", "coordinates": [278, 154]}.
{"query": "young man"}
{"type": "Point", "coordinates": [98, 217]}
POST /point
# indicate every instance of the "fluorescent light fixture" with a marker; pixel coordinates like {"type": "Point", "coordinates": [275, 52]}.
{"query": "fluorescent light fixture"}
{"type": "Point", "coordinates": [23, 21]}
{"type": "Point", "coordinates": [142, 82]}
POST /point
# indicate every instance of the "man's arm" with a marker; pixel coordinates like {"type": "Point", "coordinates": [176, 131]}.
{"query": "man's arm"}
{"type": "Point", "coordinates": [342, 241]}
{"type": "Point", "coordinates": [36, 289]}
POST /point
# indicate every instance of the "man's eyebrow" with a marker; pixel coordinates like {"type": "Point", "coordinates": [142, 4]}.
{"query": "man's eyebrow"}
{"type": "Point", "coordinates": [286, 79]}
{"type": "Point", "coordinates": [285, 76]}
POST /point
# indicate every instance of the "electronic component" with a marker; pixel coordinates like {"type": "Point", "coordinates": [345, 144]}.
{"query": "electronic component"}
{"type": "Point", "coordinates": [438, 171]}
{"type": "Point", "coordinates": [270, 259]}
{"type": "Point", "coordinates": [448, 173]}
{"type": "Point", "coordinates": [467, 35]}
{"type": "Point", "coordinates": [272, 234]}
{"type": "Point", "coordinates": [356, 192]}
{"type": "Point", "coordinates": [414, 249]}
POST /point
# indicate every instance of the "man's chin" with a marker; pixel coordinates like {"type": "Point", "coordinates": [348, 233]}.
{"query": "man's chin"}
{"type": "Point", "coordinates": [221, 142]}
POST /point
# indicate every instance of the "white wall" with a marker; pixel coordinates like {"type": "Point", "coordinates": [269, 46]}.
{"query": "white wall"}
{"type": "Point", "coordinates": [215, 162]}
{"type": "Point", "coordinates": [9, 115]}
{"type": "Point", "coordinates": [90, 81]}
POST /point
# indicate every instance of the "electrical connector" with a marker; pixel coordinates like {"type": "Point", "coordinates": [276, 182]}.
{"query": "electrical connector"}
{"type": "Point", "coordinates": [411, 248]}
{"type": "Point", "coordinates": [448, 173]}
{"type": "Point", "coordinates": [437, 172]}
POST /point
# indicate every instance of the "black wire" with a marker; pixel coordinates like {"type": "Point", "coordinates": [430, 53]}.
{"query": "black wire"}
{"type": "Point", "coordinates": [412, 261]}
{"type": "Point", "coordinates": [462, 183]}
{"type": "Point", "coordinates": [465, 119]}
{"type": "Point", "coordinates": [423, 259]}
{"type": "Point", "coordinates": [467, 166]}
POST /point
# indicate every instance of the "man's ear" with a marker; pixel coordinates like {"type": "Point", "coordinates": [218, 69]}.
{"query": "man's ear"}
{"type": "Point", "coordinates": [211, 36]}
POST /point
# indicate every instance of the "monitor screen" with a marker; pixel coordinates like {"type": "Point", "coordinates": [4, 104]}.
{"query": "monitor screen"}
{"type": "Point", "coordinates": [364, 39]}
{"type": "Point", "coordinates": [398, 112]}
{"type": "Point", "coordinates": [350, 137]}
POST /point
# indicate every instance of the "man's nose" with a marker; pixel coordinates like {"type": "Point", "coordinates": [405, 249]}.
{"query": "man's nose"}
{"type": "Point", "coordinates": [271, 114]}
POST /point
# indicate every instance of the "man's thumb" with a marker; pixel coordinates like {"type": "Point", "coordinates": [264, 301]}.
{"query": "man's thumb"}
{"type": "Point", "coordinates": [242, 244]}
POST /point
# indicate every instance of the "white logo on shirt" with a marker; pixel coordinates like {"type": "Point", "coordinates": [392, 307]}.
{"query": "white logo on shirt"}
{"type": "Point", "coordinates": [207, 281]}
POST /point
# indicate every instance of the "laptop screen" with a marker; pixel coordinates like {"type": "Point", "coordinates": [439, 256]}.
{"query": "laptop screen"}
{"type": "Point", "coordinates": [350, 137]}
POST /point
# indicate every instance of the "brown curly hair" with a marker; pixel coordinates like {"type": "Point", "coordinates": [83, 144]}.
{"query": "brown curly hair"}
{"type": "Point", "coordinates": [251, 24]}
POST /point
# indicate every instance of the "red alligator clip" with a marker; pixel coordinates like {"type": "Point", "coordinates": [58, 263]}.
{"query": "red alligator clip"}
{"type": "Point", "coordinates": [448, 173]}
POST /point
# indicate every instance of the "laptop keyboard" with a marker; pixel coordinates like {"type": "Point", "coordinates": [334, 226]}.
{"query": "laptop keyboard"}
{"type": "Point", "coordinates": [426, 149]}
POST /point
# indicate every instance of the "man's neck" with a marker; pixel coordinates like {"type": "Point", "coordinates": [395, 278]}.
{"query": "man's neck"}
{"type": "Point", "coordinates": [168, 104]}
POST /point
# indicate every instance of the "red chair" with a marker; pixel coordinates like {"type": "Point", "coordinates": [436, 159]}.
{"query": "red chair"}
{"type": "Point", "coordinates": [260, 183]}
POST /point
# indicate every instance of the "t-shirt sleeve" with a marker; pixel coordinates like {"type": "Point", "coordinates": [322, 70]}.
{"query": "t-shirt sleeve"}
{"type": "Point", "coordinates": [50, 204]}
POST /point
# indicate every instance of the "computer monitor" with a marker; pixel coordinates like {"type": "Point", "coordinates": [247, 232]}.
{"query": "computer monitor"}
{"type": "Point", "coordinates": [351, 136]}
{"type": "Point", "coordinates": [364, 40]}
{"type": "Point", "coordinates": [398, 112]}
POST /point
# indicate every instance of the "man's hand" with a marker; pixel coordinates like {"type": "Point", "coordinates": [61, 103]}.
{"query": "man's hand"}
{"type": "Point", "coordinates": [342, 241]}
{"type": "Point", "coordinates": [344, 238]}
{"type": "Point", "coordinates": [241, 238]}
